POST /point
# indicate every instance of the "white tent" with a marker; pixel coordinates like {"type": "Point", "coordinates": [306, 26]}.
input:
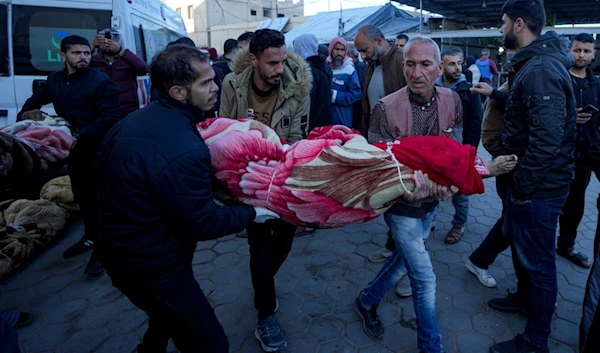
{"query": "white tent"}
{"type": "Point", "coordinates": [325, 25]}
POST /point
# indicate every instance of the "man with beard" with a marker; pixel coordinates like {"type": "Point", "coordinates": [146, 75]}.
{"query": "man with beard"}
{"type": "Point", "coordinates": [540, 128]}
{"type": "Point", "coordinates": [89, 101]}
{"type": "Point", "coordinates": [271, 85]}
{"type": "Point", "coordinates": [420, 109]}
{"type": "Point", "coordinates": [156, 203]}
{"type": "Point", "coordinates": [587, 92]}
{"type": "Point", "coordinates": [469, 133]}
{"type": "Point", "coordinates": [345, 85]}
{"type": "Point", "coordinates": [384, 74]}
{"type": "Point", "coordinates": [121, 65]}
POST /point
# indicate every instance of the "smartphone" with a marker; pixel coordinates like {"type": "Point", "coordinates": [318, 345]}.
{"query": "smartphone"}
{"type": "Point", "coordinates": [107, 35]}
{"type": "Point", "coordinates": [590, 109]}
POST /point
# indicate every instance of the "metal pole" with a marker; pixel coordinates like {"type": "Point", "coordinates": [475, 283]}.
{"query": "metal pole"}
{"type": "Point", "coordinates": [421, 19]}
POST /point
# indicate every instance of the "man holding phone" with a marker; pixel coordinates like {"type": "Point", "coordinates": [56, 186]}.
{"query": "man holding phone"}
{"type": "Point", "coordinates": [587, 92]}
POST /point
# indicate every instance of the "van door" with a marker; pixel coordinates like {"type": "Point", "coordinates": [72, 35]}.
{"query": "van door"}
{"type": "Point", "coordinates": [8, 103]}
{"type": "Point", "coordinates": [37, 33]}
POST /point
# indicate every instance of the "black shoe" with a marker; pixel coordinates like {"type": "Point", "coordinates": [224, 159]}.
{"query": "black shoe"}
{"type": "Point", "coordinates": [80, 247]}
{"type": "Point", "coordinates": [94, 268]}
{"type": "Point", "coordinates": [370, 319]}
{"type": "Point", "coordinates": [513, 303]}
{"type": "Point", "coordinates": [269, 334]}
{"type": "Point", "coordinates": [517, 345]}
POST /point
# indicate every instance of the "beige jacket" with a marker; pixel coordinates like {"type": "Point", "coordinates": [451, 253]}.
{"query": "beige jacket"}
{"type": "Point", "coordinates": [290, 117]}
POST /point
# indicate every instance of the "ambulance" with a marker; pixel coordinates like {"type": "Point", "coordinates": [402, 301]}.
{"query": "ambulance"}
{"type": "Point", "coordinates": [31, 32]}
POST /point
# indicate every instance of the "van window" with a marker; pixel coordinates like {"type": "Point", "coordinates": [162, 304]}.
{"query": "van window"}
{"type": "Point", "coordinates": [4, 69]}
{"type": "Point", "coordinates": [150, 37]}
{"type": "Point", "coordinates": [39, 30]}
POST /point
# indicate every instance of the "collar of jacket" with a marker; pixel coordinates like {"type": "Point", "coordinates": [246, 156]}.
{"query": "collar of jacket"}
{"type": "Point", "coordinates": [78, 73]}
{"type": "Point", "coordinates": [549, 44]}
{"type": "Point", "coordinates": [193, 114]}
{"type": "Point", "coordinates": [386, 59]}
{"type": "Point", "coordinates": [296, 79]}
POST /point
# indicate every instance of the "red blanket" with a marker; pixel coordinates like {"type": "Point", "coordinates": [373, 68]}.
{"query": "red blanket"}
{"type": "Point", "coordinates": [334, 177]}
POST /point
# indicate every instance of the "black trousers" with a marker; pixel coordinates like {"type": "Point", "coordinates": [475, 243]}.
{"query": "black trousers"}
{"type": "Point", "coordinates": [572, 212]}
{"type": "Point", "coordinates": [80, 165]}
{"type": "Point", "coordinates": [177, 309]}
{"type": "Point", "coordinates": [270, 243]}
{"type": "Point", "coordinates": [494, 243]}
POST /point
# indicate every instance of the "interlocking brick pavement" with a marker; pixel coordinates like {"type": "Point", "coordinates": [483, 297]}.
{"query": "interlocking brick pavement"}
{"type": "Point", "coordinates": [315, 286]}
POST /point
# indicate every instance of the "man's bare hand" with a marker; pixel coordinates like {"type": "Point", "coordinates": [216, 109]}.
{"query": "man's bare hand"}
{"type": "Point", "coordinates": [99, 42]}
{"type": "Point", "coordinates": [113, 46]}
{"type": "Point", "coordinates": [482, 88]}
{"type": "Point", "coordinates": [442, 193]}
{"type": "Point", "coordinates": [422, 188]}
{"type": "Point", "coordinates": [582, 117]}
{"type": "Point", "coordinates": [35, 115]}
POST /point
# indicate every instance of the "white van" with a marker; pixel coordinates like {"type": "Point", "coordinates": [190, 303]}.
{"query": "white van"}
{"type": "Point", "coordinates": [31, 31]}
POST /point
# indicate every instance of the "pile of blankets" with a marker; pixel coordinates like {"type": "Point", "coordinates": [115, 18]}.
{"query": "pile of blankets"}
{"type": "Point", "coordinates": [28, 226]}
{"type": "Point", "coordinates": [334, 177]}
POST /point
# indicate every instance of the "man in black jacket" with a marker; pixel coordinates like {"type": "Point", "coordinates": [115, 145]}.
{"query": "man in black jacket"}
{"type": "Point", "coordinates": [539, 127]}
{"type": "Point", "coordinates": [156, 203]}
{"type": "Point", "coordinates": [89, 101]}
{"type": "Point", "coordinates": [468, 134]}
{"type": "Point", "coordinates": [307, 46]}
{"type": "Point", "coordinates": [587, 92]}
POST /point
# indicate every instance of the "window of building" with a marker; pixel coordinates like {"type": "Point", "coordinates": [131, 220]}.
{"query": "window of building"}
{"type": "Point", "coordinates": [190, 11]}
{"type": "Point", "coordinates": [178, 10]}
{"type": "Point", "coordinates": [280, 15]}
{"type": "Point", "coordinates": [266, 12]}
{"type": "Point", "coordinates": [252, 12]}
{"type": "Point", "coordinates": [38, 31]}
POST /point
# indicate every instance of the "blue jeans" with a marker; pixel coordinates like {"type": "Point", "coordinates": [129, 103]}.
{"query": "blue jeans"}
{"type": "Point", "coordinates": [410, 256]}
{"type": "Point", "coordinates": [531, 230]}
{"type": "Point", "coordinates": [461, 210]}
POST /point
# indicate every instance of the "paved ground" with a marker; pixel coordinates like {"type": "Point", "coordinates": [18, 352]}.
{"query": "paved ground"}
{"type": "Point", "coordinates": [316, 286]}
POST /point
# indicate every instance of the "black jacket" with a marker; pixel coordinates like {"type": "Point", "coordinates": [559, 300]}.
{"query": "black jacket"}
{"type": "Point", "coordinates": [472, 114]}
{"type": "Point", "coordinates": [587, 93]}
{"type": "Point", "coordinates": [320, 94]}
{"type": "Point", "coordinates": [222, 67]}
{"type": "Point", "coordinates": [155, 192]}
{"type": "Point", "coordinates": [88, 99]}
{"type": "Point", "coordinates": [539, 124]}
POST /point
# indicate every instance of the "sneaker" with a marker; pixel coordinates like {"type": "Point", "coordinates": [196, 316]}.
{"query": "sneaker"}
{"type": "Point", "coordinates": [517, 345]}
{"type": "Point", "coordinates": [80, 247]}
{"type": "Point", "coordinates": [370, 319]}
{"type": "Point", "coordinates": [482, 275]}
{"type": "Point", "coordinates": [94, 268]}
{"type": "Point", "coordinates": [268, 333]}
{"type": "Point", "coordinates": [511, 304]}
{"type": "Point", "coordinates": [403, 289]}
{"type": "Point", "coordinates": [380, 255]}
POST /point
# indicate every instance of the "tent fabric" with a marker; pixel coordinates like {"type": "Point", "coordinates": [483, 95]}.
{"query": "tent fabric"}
{"type": "Point", "coordinates": [389, 19]}
{"type": "Point", "coordinates": [273, 23]}
{"type": "Point", "coordinates": [325, 25]}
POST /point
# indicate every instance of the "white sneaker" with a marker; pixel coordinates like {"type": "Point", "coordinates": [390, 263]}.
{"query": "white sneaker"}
{"type": "Point", "coordinates": [482, 275]}
{"type": "Point", "coordinates": [380, 255]}
{"type": "Point", "coordinates": [403, 289]}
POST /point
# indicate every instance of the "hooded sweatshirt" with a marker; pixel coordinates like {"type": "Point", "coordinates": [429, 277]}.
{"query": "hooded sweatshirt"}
{"type": "Point", "coordinates": [306, 45]}
{"type": "Point", "coordinates": [345, 87]}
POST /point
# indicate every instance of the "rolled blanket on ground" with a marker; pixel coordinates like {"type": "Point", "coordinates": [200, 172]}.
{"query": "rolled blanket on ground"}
{"type": "Point", "coordinates": [333, 178]}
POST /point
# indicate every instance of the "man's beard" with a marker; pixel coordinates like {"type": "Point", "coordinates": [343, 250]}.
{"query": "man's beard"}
{"type": "Point", "coordinates": [510, 41]}
{"type": "Point", "coordinates": [111, 53]}
{"type": "Point", "coordinates": [580, 66]}
{"type": "Point", "coordinates": [376, 54]}
{"type": "Point", "coordinates": [337, 63]}
{"type": "Point", "coordinates": [76, 67]}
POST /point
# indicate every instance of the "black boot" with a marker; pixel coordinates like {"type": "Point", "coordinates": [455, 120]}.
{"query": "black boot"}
{"type": "Point", "coordinates": [94, 268]}
{"type": "Point", "coordinates": [83, 245]}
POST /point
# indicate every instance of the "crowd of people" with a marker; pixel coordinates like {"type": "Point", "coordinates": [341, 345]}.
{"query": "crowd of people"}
{"type": "Point", "coordinates": [146, 196]}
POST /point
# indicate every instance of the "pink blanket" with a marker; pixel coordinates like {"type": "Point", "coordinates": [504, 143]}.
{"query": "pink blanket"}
{"type": "Point", "coordinates": [51, 145]}
{"type": "Point", "coordinates": [331, 179]}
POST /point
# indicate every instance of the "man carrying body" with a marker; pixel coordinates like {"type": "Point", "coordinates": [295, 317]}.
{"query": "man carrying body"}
{"type": "Point", "coordinates": [468, 134]}
{"type": "Point", "coordinates": [345, 85]}
{"type": "Point", "coordinates": [270, 85]}
{"type": "Point", "coordinates": [433, 111]}
{"type": "Point", "coordinates": [89, 101]}
{"type": "Point", "coordinates": [156, 203]}
{"type": "Point", "coordinates": [540, 128]}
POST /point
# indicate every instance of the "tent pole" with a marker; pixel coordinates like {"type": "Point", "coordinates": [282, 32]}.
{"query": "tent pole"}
{"type": "Point", "coordinates": [421, 19]}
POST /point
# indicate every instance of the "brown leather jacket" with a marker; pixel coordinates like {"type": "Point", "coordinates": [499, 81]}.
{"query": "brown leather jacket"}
{"type": "Point", "coordinates": [393, 79]}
